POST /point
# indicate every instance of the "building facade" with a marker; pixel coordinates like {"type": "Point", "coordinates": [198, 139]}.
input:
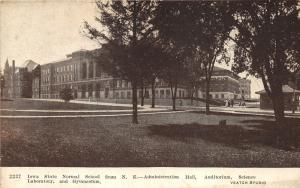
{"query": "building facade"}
{"type": "Point", "coordinates": [289, 95]}
{"type": "Point", "coordinates": [245, 88]}
{"type": "Point", "coordinates": [224, 85]}
{"type": "Point", "coordinates": [80, 72]}
{"type": "Point", "coordinates": [18, 80]}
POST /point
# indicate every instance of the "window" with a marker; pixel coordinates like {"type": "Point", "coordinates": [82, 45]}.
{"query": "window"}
{"type": "Point", "coordinates": [222, 96]}
{"type": "Point", "coordinates": [98, 70]}
{"type": "Point", "coordinates": [128, 94]}
{"type": "Point", "coordinates": [162, 93]}
{"type": "Point", "coordinates": [168, 93]}
{"type": "Point", "coordinates": [147, 94]}
{"type": "Point", "coordinates": [217, 96]}
{"type": "Point", "coordinates": [123, 83]}
{"type": "Point", "coordinates": [84, 69]}
{"type": "Point", "coordinates": [90, 88]}
{"type": "Point", "coordinates": [91, 70]}
{"type": "Point", "coordinates": [106, 92]}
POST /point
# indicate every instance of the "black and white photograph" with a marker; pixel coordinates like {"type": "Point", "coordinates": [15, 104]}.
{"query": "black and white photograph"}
{"type": "Point", "coordinates": [147, 83]}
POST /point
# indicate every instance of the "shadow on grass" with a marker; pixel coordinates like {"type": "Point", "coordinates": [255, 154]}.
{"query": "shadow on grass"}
{"type": "Point", "coordinates": [241, 137]}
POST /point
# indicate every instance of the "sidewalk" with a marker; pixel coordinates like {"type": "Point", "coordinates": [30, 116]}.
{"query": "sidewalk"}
{"type": "Point", "coordinates": [247, 111]}
{"type": "Point", "coordinates": [238, 110]}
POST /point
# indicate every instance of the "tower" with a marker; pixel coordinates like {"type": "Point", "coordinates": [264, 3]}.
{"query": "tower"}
{"type": "Point", "coordinates": [13, 79]}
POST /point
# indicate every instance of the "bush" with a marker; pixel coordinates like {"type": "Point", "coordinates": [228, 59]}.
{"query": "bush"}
{"type": "Point", "coordinates": [66, 94]}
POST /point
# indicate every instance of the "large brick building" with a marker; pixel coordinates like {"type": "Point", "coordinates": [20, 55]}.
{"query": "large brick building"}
{"type": "Point", "coordinates": [224, 85]}
{"type": "Point", "coordinates": [80, 72]}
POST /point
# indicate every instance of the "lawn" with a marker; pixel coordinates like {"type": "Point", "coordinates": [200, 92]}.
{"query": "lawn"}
{"type": "Point", "coordinates": [178, 140]}
{"type": "Point", "coordinates": [46, 105]}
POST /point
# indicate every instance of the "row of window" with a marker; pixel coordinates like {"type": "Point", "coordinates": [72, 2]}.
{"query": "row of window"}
{"type": "Point", "coordinates": [46, 79]}
{"type": "Point", "coordinates": [123, 84]}
{"type": "Point", "coordinates": [162, 94]}
{"type": "Point", "coordinates": [65, 68]}
{"type": "Point", "coordinates": [46, 71]}
{"type": "Point", "coordinates": [64, 78]}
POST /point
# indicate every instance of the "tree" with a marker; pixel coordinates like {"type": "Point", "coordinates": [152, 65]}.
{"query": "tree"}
{"type": "Point", "coordinates": [195, 72]}
{"type": "Point", "coordinates": [126, 26]}
{"type": "Point", "coordinates": [267, 41]}
{"type": "Point", "coordinates": [66, 94]}
{"type": "Point", "coordinates": [197, 28]}
{"type": "Point", "coordinates": [154, 64]}
{"type": "Point", "coordinates": [174, 71]}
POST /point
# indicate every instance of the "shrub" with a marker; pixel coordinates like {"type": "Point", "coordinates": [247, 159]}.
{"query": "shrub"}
{"type": "Point", "coordinates": [66, 94]}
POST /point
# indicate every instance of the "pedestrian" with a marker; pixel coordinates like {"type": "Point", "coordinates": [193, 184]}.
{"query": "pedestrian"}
{"type": "Point", "coordinates": [232, 102]}
{"type": "Point", "coordinates": [226, 103]}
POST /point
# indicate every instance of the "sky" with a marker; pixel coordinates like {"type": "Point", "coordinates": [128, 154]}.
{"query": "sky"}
{"type": "Point", "coordinates": [46, 31]}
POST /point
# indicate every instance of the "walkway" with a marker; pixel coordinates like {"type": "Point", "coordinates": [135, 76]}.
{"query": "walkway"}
{"type": "Point", "coordinates": [237, 110]}
{"type": "Point", "coordinates": [247, 111]}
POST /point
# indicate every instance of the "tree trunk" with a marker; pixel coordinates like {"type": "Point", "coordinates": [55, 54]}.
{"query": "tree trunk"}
{"type": "Point", "coordinates": [278, 104]}
{"type": "Point", "coordinates": [142, 92]}
{"type": "Point", "coordinates": [207, 98]}
{"type": "Point", "coordinates": [153, 94]}
{"type": "Point", "coordinates": [174, 97]}
{"type": "Point", "coordinates": [134, 104]}
{"type": "Point", "coordinates": [192, 93]}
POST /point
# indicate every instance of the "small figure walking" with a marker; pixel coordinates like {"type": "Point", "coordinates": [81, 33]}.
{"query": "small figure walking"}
{"type": "Point", "coordinates": [232, 102]}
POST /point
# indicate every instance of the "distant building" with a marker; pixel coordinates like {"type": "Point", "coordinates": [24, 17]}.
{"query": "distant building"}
{"type": "Point", "coordinates": [245, 88]}
{"type": "Point", "coordinates": [224, 85]}
{"type": "Point", "coordinates": [9, 80]}
{"type": "Point", "coordinates": [18, 80]}
{"type": "Point", "coordinates": [288, 92]}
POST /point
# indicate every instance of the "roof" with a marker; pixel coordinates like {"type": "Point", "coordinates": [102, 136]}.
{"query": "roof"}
{"type": "Point", "coordinates": [30, 65]}
{"type": "Point", "coordinates": [60, 60]}
{"type": "Point", "coordinates": [219, 69]}
{"type": "Point", "coordinates": [285, 89]}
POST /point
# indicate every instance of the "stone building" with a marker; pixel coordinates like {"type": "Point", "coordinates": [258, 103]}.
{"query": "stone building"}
{"type": "Point", "coordinates": [18, 80]}
{"type": "Point", "coordinates": [80, 72]}
{"type": "Point", "coordinates": [224, 85]}
{"type": "Point", "coordinates": [289, 95]}
{"type": "Point", "coordinates": [245, 88]}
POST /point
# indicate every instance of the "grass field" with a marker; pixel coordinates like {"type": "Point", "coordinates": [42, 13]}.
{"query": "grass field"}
{"type": "Point", "coordinates": [181, 139]}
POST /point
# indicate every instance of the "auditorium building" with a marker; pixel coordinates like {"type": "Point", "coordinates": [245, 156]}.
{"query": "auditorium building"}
{"type": "Point", "coordinates": [224, 85]}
